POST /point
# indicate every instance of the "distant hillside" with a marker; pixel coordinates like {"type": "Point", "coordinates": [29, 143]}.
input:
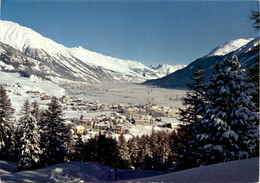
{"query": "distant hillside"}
{"type": "Point", "coordinates": [247, 54]}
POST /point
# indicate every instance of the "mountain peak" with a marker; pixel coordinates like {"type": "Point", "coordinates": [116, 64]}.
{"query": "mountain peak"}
{"type": "Point", "coordinates": [21, 38]}
{"type": "Point", "coordinates": [229, 47]}
{"type": "Point", "coordinates": [165, 69]}
{"type": "Point", "coordinates": [76, 62]}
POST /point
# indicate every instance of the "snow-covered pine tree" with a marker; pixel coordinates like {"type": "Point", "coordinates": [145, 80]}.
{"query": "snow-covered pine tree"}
{"type": "Point", "coordinates": [229, 117]}
{"type": "Point", "coordinates": [255, 16]}
{"type": "Point", "coordinates": [30, 152]}
{"type": "Point", "coordinates": [163, 150]}
{"type": "Point", "coordinates": [101, 149]}
{"type": "Point", "coordinates": [6, 119]}
{"type": "Point", "coordinates": [123, 150]}
{"type": "Point", "coordinates": [91, 152]}
{"type": "Point", "coordinates": [145, 152]}
{"type": "Point", "coordinates": [79, 149]}
{"type": "Point", "coordinates": [189, 116]}
{"type": "Point", "coordinates": [25, 110]}
{"type": "Point", "coordinates": [133, 152]}
{"type": "Point", "coordinates": [14, 144]}
{"type": "Point", "coordinates": [106, 149]}
{"type": "Point", "coordinates": [54, 134]}
{"type": "Point", "coordinates": [173, 156]}
{"type": "Point", "coordinates": [254, 76]}
{"type": "Point", "coordinates": [36, 111]}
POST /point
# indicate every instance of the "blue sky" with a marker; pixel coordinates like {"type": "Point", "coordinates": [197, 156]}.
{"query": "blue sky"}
{"type": "Point", "coordinates": [152, 32]}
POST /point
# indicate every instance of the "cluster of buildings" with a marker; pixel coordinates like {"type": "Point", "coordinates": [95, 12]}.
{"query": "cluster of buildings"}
{"type": "Point", "coordinates": [122, 119]}
{"type": "Point", "coordinates": [83, 105]}
{"type": "Point", "coordinates": [115, 123]}
{"type": "Point", "coordinates": [42, 96]}
{"type": "Point", "coordinates": [148, 109]}
{"type": "Point", "coordinates": [69, 103]}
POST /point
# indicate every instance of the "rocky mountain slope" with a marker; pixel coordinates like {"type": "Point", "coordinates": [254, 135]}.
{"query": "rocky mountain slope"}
{"type": "Point", "coordinates": [248, 55]}
{"type": "Point", "coordinates": [23, 49]}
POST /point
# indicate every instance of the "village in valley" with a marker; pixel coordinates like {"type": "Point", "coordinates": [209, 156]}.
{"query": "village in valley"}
{"type": "Point", "coordinates": [91, 117]}
{"type": "Point", "coordinates": [87, 118]}
{"type": "Point", "coordinates": [120, 118]}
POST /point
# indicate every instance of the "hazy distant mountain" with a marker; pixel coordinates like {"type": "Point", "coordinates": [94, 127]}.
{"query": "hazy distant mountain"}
{"type": "Point", "coordinates": [248, 55]}
{"type": "Point", "coordinates": [165, 69]}
{"type": "Point", "coordinates": [24, 49]}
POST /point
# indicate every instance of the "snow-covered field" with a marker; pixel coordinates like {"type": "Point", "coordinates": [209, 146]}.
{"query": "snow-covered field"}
{"type": "Point", "coordinates": [235, 171]}
{"type": "Point", "coordinates": [127, 93]}
{"type": "Point", "coordinates": [107, 93]}
{"type": "Point", "coordinates": [18, 86]}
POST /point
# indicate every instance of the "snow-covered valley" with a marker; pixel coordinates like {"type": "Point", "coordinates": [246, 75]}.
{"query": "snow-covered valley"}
{"type": "Point", "coordinates": [127, 93]}
{"type": "Point", "coordinates": [36, 89]}
{"type": "Point", "coordinates": [101, 95]}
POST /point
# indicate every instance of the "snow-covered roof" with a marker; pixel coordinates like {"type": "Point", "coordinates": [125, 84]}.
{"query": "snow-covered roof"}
{"type": "Point", "coordinates": [79, 127]}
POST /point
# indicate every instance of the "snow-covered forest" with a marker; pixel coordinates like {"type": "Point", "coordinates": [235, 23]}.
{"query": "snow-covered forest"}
{"type": "Point", "coordinates": [220, 121]}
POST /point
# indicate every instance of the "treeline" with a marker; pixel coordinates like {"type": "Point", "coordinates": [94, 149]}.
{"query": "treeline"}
{"type": "Point", "coordinates": [155, 151]}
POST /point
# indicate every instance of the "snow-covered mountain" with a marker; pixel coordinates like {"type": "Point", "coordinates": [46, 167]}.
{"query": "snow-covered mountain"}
{"type": "Point", "coordinates": [248, 55]}
{"type": "Point", "coordinates": [250, 46]}
{"type": "Point", "coordinates": [38, 53]}
{"type": "Point", "coordinates": [229, 47]}
{"type": "Point", "coordinates": [165, 69]}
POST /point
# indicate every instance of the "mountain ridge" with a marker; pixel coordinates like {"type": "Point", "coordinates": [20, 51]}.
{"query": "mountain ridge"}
{"type": "Point", "coordinates": [165, 69]}
{"type": "Point", "coordinates": [76, 63]}
{"type": "Point", "coordinates": [229, 46]}
{"type": "Point", "coordinates": [247, 54]}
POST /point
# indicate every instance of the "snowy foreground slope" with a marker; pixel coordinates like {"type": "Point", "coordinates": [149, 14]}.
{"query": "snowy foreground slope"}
{"type": "Point", "coordinates": [235, 171]}
{"type": "Point", "coordinates": [71, 172]}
